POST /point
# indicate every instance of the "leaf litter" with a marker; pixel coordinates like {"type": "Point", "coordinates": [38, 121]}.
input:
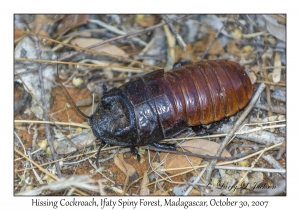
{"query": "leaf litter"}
{"type": "Point", "coordinates": [242, 39]}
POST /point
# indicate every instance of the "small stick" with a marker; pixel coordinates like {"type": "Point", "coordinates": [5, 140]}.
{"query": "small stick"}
{"type": "Point", "coordinates": [121, 37]}
{"type": "Point", "coordinates": [107, 41]}
{"type": "Point", "coordinates": [252, 166]}
{"type": "Point", "coordinates": [50, 122]}
{"type": "Point", "coordinates": [202, 166]}
{"type": "Point", "coordinates": [117, 31]}
{"type": "Point", "coordinates": [281, 150]}
{"type": "Point", "coordinates": [273, 162]}
{"type": "Point", "coordinates": [174, 31]}
{"type": "Point", "coordinates": [271, 83]}
{"type": "Point", "coordinates": [47, 127]}
{"type": "Point", "coordinates": [195, 182]}
{"type": "Point", "coordinates": [29, 91]}
{"type": "Point", "coordinates": [212, 164]}
{"type": "Point", "coordinates": [272, 108]}
{"type": "Point", "coordinates": [44, 170]}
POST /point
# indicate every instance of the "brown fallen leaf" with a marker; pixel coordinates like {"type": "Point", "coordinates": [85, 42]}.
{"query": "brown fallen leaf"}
{"type": "Point", "coordinates": [108, 48]}
{"type": "Point", "coordinates": [178, 161]}
{"type": "Point", "coordinates": [71, 21]}
{"type": "Point", "coordinates": [128, 169]}
{"type": "Point", "coordinates": [232, 48]}
{"type": "Point", "coordinates": [196, 146]}
{"type": "Point", "coordinates": [203, 147]}
{"type": "Point", "coordinates": [41, 21]}
{"type": "Point", "coordinates": [187, 55]}
{"type": "Point", "coordinates": [215, 49]}
{"type": "Point", "coordinates": [173, 161]}
{"type": "Point", "coordinates": [18, 34]}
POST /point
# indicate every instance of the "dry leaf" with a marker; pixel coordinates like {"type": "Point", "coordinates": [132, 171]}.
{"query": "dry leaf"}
{"type": "Point", "coordinates": [71, 21]}
{"type": "Point", "coordinates": [276, 29]}
{"type": "Point", "coordinates": [41, 20]}
{"type": "Point", "coordinates": [203, 147]}
{"type": "Point", "coordinates": [128, 169]}
{"type": "Point", "coordinates": [146, 21]}
{"type": "Point", "coordinates": [108, 48]}
{"type": "Point", "coordinates": [18, 33]}
{"type": "Point", "coordinates": [232, 48]}
{"type": "Point", "coordinates": [173, 161]}
{"type": "Point", "coordinates": [144, 189]}
{"type": "Point", "coordinates": [197, 146]}
{"type": "Point", "coordinates": [160, 192]}
{"type": "Point", "coordinates": [215, 49]}
{"type": "Point", "coordinates": [187, 55]}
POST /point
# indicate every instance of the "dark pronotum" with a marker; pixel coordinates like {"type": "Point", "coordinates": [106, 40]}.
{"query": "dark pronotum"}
{"type": "Point", "coordinates": [162, 104]}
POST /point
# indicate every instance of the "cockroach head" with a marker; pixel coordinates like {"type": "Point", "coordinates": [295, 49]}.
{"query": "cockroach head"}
{"type": "Point", "coordinates": [113, 121]}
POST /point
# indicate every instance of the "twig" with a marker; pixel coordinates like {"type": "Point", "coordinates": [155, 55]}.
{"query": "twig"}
{"type": "Point", "coordinates": [20, 142]}
{"type": "Point", "coordinates": [195, 181]}
{"type": "Point", "coordinates": [174, 31]}
{"type": "Point", "coordinates": [254, 146]}
{"type": "Point", "coordinates": [201, 156]}
{"type": "Point", "coordinates": [275, 109]}
{"type": "Point", "coordinates": [44, 170]}
{"type": "Point", "coordinates": [45, 112]}
{"type": "Point", "coordinates": [251, 134]}
{"type": "Point", "coordinates": [35, 173]}
{"type": "Point", "coordinates": [258, 44]}
{"type": "Point", "coordinates": [47, 127]}
{"type": "Point", "coordinates": [117, 31]}
{"type": "Point", "coordinates": [271, 160]}
{"type": "Point", "coordinates": [205, 165]}
{"type": "Point", "coordinates": [212, 164]}
{"type": "Point", "coordinates": [270, 170]}
{"type": "Point", "coordinates": [50, 122]}
{"type": "Point", "coordinates": [252, 165]}
{"type": "Point", "coordinates": [214, 39]}
{"type": "Point", "coordinates": [271, 83]}
{"type": "Point", "coordinates": [90, 50]}
{"type": "Point", "coordinates": [78, 63]}
{"type": "Point", "coordinates": [122, 37]}
{"type": "Point", "coordinates": [281, 150]}
{"type": "Point", "coordinates": [104, 42]}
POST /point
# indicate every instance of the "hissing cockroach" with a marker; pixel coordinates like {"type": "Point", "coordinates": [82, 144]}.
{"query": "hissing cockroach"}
{"type": "Point", "coordinates": [162, 104]}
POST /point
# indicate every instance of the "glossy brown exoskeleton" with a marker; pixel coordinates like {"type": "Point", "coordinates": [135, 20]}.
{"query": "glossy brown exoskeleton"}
{"type": "Point", "coordinates": [162, 104]}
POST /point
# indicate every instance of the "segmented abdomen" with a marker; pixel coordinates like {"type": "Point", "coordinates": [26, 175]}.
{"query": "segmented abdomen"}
{"type": "Point", "coordinates": [205, 92]}
{"type": "Point", "coordinates": [166, 103]}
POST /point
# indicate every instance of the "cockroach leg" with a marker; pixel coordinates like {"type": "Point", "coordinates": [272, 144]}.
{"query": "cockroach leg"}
{"type": "Point", "coordinates": [164, 146]}
{"type": "Point", "coordinates": [202, 129]}
{"type": "Point", "coordinates": [98, 153]}
{"type": "Point", "coordinates": [135, 152]}
{"type": "Point", "coordinates": [179, 64]}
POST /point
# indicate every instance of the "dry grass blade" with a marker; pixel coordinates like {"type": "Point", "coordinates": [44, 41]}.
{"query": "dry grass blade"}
{"type": "Point", "coordinates": [83, 182]}
{"type": "Point", "coordinates": [45, 171]}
